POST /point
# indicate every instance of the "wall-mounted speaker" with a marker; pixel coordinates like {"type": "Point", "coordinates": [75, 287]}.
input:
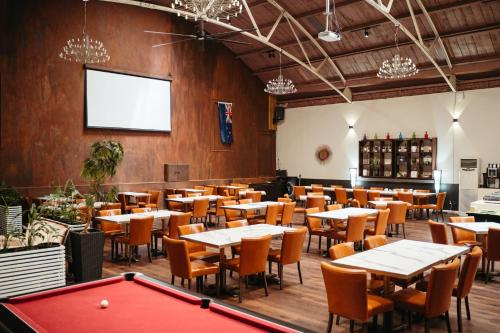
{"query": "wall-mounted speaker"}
{"type": "Point", "coordinates": [279, 114]}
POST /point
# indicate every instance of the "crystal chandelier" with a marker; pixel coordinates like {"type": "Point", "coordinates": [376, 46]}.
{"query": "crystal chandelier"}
{"type": "Point", "coordinates": [84, 50]}
{"type": "Point", "coordinates": [280, 85]}
{"type": "Point", "coordinates": [397, 67]}
{"type": "Point", "coordinates": [220, 10]}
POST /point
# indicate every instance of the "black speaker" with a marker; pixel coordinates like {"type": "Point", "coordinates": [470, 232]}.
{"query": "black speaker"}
{"type": "Point", "coordinates": [279, 114]}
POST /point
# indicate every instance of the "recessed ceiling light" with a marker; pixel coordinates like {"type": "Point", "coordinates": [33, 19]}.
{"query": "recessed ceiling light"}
{"type": "Point", "coordinates": [367, 32]}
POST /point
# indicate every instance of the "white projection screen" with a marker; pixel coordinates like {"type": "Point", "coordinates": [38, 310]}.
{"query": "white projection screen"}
{"type": "Point", "coordinates": [130, 102]}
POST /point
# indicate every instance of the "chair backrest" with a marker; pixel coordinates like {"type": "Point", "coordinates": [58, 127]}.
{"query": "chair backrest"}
{"type": "Point", "coordinates": [192, 195]}
{"type": "Point", "coordinates": [468, 271]}
{"type": "Point", "coordinates": [109, 205]}
{"type": "Point", "coordinates": [333, 207]}
{"type": "Point", "coordinates": [361, 196]}
{"type": "Point", "coordinates": [356, 227]}
{"type": "Point", "coordinates": [341, 196]}
{"type": "Point", "coordinates": [291, 245]}
{"type": "Point", "coordinates": [298, 191]}
{"type": "Point", "coordinates": [376, 188]}
{"type": "Point", "coordinates": [381, 221]}
{"type": "Point", "coordinates": [397, 214]}
{"type": "Point", "coordinates": [406, 197]}
{"type": "Point", "coordinates": [245, 201]}
{"type": "Point", "coordinates": [175, 221]}
{"type": "Point", "coordinates": [220, 202]}
{"type": "Point", "coordinates": [168, 191]}
{"type": "Point", "coordinates": [440, 200]}
{"type": "Point", "coordinates": [493, 244]}
{"type": "Point", "coordinates": [123, 200]}
{"type": "Point", "coordinates": [337, 186]}
{"type": "Point", "coordinates": [355, 203]}
{"type": "Point", "coordinates": [284, 199]}
{"type": "Point", "coordinates": [199, 187]}
{"type": "Point", "coordinates": [209, 190]}
{"type": "Point", "coordinates": [200, 207]}
{"type": "Point", "coordinates": [287, 214]}
{"type": "Point", "coordinates": [346, 291]}
{"type": "Point", "coordinates": [341, 250]}
{"type": "Point", "coordinates": [438, 232]}
{"type": "Point", "coordinates": [174, 205]}
{"type": "Point", "coordinates": [230, 213]}
{"type": "Point", "coordinates": [372, 196]}
{"type": "Point", "coordinates": [253, 255]}
{"type": "Point", "coordinates": [316, 201]}
{"type": "Point", "coordinates": [140, 230]}
{"type": "Point", "coordinates": [312, 222]}
{"type": "Point", "coordinates": [140, 210]}
{"type": "Point", "coordinates": [107, 226]}
{"type": "Point", "coordinates": [440, 288]}
{"type": "Point", "coordinates": [317, 188]}
{"type": "Point", "coordinates": [460, 235]}
{"type": "Point", "coordinates": [192, 229]}
{"type": "Point", "coordinates": [154, 198]}
{"type": "Point", "coordinates": [256, 196]}
{"type": "Point", "coordinates": [109, 212]}
{"type": "Point", "coordinates": [272, 211]}
{"type": "Point", "coordinates": [236, 224]}
{"type": "Point", "coordinates": [178, 255]}
{"type": "Point", "coordinates": [374, 241]}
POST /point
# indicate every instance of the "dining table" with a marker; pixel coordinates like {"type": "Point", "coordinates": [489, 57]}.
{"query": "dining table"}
{"type": "Point", "coordinates": [251, 206]}
{"type": "Point", "coordinates": [188, 201]}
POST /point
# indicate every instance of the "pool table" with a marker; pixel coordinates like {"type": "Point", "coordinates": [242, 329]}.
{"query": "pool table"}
{"type": "Point", "coordinates": [137, 303]}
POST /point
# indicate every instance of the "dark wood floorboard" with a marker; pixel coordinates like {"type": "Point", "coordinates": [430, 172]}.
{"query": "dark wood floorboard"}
{"type": "Point", "coordinates": [306, 305]}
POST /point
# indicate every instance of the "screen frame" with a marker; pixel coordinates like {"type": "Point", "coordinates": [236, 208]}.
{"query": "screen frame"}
{"type": "Point", "coordinates": [85, 106]}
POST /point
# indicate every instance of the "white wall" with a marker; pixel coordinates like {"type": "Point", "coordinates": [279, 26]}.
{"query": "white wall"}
{"type": "Point", "coordinates": [477, 134]}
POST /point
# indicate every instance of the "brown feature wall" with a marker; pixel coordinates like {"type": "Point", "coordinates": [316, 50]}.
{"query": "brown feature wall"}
{"type": "Point", "coordinates": [43, 140]}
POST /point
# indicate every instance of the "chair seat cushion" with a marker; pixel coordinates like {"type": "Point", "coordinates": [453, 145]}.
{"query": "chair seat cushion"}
{"type": "Point", "coordinates": [232, 264]}
{"type": "Point", "coordinates": [200, 268]}
{"type": "Point", "coordinates": [377, 304]}
{"type": "Point", "coordinates": [204, 255]}
{"type": "Point", "coordinates": [299, 210]}
{"type": "Point", "coordinates": [274, 255]}
{"type": "Point", "coordinates": [113, 233]}
{"type": "Point", "coordinates": [409, 299]}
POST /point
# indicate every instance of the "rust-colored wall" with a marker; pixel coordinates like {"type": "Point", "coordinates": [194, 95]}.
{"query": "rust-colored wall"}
{"type": "Point", "coordinates": [43, 140]}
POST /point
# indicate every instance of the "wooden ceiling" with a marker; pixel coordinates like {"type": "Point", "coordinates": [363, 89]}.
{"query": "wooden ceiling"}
{"type": "Point", "coordinates": [469, 29]}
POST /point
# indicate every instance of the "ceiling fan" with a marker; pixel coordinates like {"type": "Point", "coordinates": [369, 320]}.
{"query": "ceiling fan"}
{"type": "Point", "coordinates": [201, 35]}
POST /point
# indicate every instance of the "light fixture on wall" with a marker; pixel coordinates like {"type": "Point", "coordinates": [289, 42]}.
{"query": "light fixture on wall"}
{"type": "Point", "coordinates": [280, 85]}
{"type": "Point", "coordinates": [84, 50]}
{"type": "Point", "coordinates": [397, 67]}
{"type": "Point", "coordinates": [353, 174]}
{"type": "Point", "coordinates": [437, 174]}
{"type": "Point", "coordinates": [351, 126]}
{"type": "Point", "coordinates": [455, 120]}
{"type": "Point", "coordinates": [220, 10]}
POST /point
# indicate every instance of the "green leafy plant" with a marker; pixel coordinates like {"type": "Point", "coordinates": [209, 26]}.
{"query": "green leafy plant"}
{"type": "Point", "coordinates": [9, 196]}
{"type": "Point", "coordinates": [105, 157]}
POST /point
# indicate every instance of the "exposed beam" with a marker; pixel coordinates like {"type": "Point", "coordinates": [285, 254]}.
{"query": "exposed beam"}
{"type": "Point", "coordinates": [429, 38]}
{"type": "Point", "coordinates": [357, 27]}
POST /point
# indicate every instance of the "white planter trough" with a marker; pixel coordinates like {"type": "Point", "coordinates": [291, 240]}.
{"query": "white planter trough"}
{"type": "Point", "coordinates": [32, 270]}
{"type": "Point", "coordinates": [11, 219]}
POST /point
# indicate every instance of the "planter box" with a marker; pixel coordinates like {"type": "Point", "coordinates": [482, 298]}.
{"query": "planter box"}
{"type": "Point", "coordinates": [28, 271]}
{"type": "Point", "coordinates": [87, 255]}
{"type": "Point", "coordinates": [71, 227]}
{"type": "Point", "coordinates": [11, 219]}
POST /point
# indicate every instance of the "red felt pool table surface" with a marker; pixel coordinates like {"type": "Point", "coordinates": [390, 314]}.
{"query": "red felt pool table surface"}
{"type": "Point", "coordinates": [137, 305]}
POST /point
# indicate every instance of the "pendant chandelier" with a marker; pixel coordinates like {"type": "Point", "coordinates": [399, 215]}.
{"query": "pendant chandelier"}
{"type": "Point", "coordinates": [280, 85]}
{"type": "Point", "coordinates": [397, 67]}
{"type": "Point", "coordinates": [220, 10]}
{"type": "Point", "coordinates": [84, 50]}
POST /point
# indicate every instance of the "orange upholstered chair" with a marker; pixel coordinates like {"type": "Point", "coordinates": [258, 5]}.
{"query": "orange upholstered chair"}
{"type": "Point", "coordinates": [397, 215]}
{"type": "Point", "coordinates": [290, 252]}
{"type": "Point", "coordinates": [408, 198]}
{"type": "Point", "coordinates": [493, 250]}
{"type": "Point", "coordinates": [126, 206]}
{"type": "Point", "coordinates": [341, 196]}
{"type": "Point", "coordinates": [172, 232]}
{"type": "Point", "coordinates": [200, 210]}
{"type": "Point", "coordinates": [197, 251]}
{"type": "Point", "coordinates": [231, 214]}
{"type": "Point", "coordinates": [298, 191]}
{"type": "Point", "coordinates": [333, 207]}
{"type": "Point", "coordinates": [285, 199]}
{"type": "Point", "coordinates": [111, 230]}
{"type": "Point", "coordinates": [139, 234]}
{"type": "Point", "coordinates": [181, 265]}
{"type": "Point", "coordinates": [271, 216]}
{"type": "Point", "coordinates": [236, 249]}
{"type": "Point", "coordinates": [362, 196]}
{"type": "Point", "coordinates": [252, 260]}
{"type": "Point", "coordinates": [348, 297]}
{"type": "Point", "coordinates": [380, 223]}
{"type": "Point", "coordinates": [438, 207]}
{"type": "Point", "coordinates": [462, 237]}
{"type": "Point", "coordinates": [256, 196]}
{"type": "Point", "coordinates": [317, 188]}
{"type": "Point", "coordinates": [375, 241]}
{"type": "Point", "coordinates": [355, 229]}
{"type": "Point", "coordinates": [286, 217]}
{"type": "Point", "coordinates": [316, 201]}
{"type": "Point", "coordinates": [315, 228]}
{"type": "Point", "coordinates": [436, 300]}
{"type": "Point", "coordinates": [216, 211]}
{"type": "Point", "coordinates": [176, 206]}
{"type": "Point", "coordinates": [438, 232]}
{"type": "Point", "coordinates": [373, 195]}
{"type": "Point", "coordinates": [110, 205]}
{"type": "Point", "coordinates": [140, 210]}
{"type": "Point", "coordinates": [154, 200]}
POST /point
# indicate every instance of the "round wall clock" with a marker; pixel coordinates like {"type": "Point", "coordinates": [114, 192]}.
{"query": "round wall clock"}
{"type": "Point", "coordinates": [323, 154]}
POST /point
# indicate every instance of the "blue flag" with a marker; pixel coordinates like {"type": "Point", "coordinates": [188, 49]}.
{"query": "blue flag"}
{"type": "Point", "coordinates": [226, 122]}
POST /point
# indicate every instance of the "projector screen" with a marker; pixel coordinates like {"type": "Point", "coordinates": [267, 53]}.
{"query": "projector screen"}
{"type": "Point", "coordinates": [123, 101]}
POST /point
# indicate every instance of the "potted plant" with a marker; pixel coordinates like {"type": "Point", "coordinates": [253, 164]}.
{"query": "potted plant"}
{"type": "Point", "coordinates": [10, 210]}
{"type": "Point", "coordinates": [33, 260]}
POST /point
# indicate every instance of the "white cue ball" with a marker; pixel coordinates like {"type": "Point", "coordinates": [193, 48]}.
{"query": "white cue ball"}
{"type": "Point", "coordinates": [104, 304]}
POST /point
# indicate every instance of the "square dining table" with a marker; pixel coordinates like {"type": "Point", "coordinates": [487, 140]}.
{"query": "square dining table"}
{"type": "Point", "coordinates": [251, 206]}
{"type": "Point", "coordinates": [403, 259]}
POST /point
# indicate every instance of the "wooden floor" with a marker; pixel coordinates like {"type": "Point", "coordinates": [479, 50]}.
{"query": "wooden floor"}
{"type": "Point", "coordinates": [306, 305]}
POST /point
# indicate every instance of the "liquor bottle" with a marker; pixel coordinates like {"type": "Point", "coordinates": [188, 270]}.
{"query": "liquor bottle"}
{"type": "Point", "coordinates": [388, 137]}
{"type": "Point", "coordinates": [400, 136]}
{"type": "Point", "coordinates": [426, 136]}
{"type": "Point", "coordinates": [413, 135]}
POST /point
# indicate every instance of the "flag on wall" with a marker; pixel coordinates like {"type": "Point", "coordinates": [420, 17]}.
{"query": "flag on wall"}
{"type": "Point", "coordinates": [226, 122]}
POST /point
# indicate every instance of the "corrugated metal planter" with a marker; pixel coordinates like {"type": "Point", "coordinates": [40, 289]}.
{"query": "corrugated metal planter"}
{"type": "Point", "coordinates": [11, 219]}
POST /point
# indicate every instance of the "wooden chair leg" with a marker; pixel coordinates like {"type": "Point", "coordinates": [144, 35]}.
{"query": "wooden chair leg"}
{"type": "Point", "coordinates": [351, 326]}
{"type": "Point", "coordinates": [409, 319]}
{"type": "Point", "coordinates": [300, 273]}
{"type": "Point", "coordinates": [459, 313]}
{"type": "Point", "coordinates": [487, 271]}
{"type": "Point", "coordinates": [149, 252]}
{"type": "Point", "coordinates": [426, 325]}
{"type": "Point", "coordinates": [337, 321]}
{"type": "Point", "coordinates": [330, 323]}
{"type": "Point", "coordinates": [265, 283]}
{"type": "Point", "coordinates": [309, 243]}
{"type": "Point", "coordinates": [364, 328]}
{"type": "Point", "coordinates": [270, 267]}
{"type": "Point", "coordinates": [239, 292]}
{"type": "Point", "coordinates": [388, 321]}
{"type": "Point", "coordinates": [404, 232]}
{"type": "Point", "coordinates": [182, 282]}
{"type": "Point", "coordinates": [375, 323]}
{"type": "Point", "coordinates": [467, 309]}
{"type": "Point", "coordinates": [319, 245]}
{"type": "Point", "coordinates": [217, 285]}
{"type": "Point", "coordinates": [448, 325]}
{"type": "Point", "coordinates": [189, 283]}
{"type": "Point", "coordinates": [173, 279]}
{"type": "Point", "coordinates": [280, 274]}
{"type": "Point", "coordinates": [130, 251]}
